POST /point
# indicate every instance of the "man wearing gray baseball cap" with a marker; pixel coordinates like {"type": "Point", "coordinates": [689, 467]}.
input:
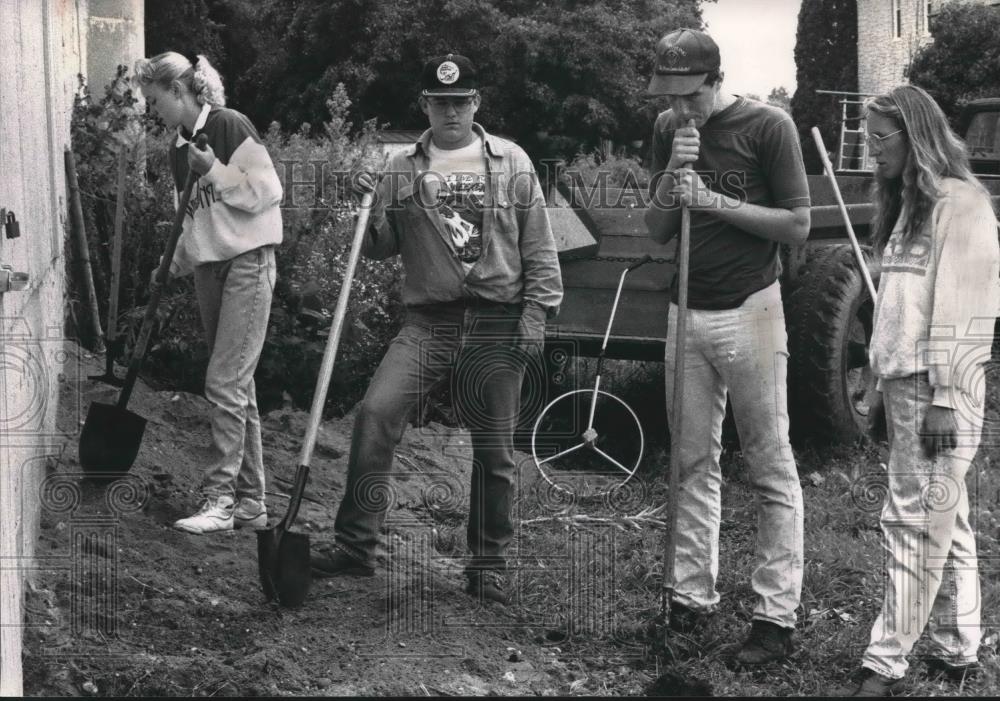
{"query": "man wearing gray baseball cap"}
{"type": "Point", "coordinates": [737, 165]}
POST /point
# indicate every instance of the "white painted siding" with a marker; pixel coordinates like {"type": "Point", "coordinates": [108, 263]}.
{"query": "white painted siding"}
{"type": "Point", "coordinates": [43, 45]}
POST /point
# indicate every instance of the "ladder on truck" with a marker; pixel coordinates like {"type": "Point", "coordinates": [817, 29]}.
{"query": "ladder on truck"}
{"type": "Point", "coordinates": [852, 147]}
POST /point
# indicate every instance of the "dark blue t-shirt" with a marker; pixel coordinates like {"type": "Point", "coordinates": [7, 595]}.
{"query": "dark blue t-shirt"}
{"type": "Point", "coordinates": [750, 151]}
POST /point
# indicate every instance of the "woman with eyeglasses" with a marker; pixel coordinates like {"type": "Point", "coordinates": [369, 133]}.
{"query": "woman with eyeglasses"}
{"type": "Point", "coordinates": [938, 296]}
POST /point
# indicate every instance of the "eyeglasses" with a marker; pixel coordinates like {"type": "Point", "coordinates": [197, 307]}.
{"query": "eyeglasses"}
{"type": "Point", "coordinates": [461, 104]}
{"type": "Point", "coordinates": [876, 140]}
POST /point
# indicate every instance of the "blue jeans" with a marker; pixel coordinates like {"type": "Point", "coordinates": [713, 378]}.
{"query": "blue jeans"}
{"type": "Point", "coordinates": [932, 570]}
{"type": "Point", "coordinates": [234, 297]}
{"type": "Point", "coordinates": [479, 343]}
{"type": "Point", "coordinates": [741, 351]}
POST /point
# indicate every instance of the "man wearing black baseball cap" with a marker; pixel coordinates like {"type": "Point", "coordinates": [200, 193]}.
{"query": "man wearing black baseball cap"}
{"type": "Point", "coordinates": [737, 165]}
{"type": "Point", "coordinates": [465, 211]}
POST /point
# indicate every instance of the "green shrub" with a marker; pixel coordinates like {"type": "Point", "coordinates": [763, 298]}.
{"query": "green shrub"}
{"type": "Point", "coordinates": [311, 259]}
{"type": "Point", "coordinates": [100, 130]}
{"type": "Point", "coordinates": [607, 169]}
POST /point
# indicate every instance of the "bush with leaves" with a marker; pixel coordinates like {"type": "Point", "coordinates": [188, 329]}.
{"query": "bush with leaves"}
{"type": "Point", "coordinates": [311, 260]}
{"type": "Point", "coordinates": [318, 231]}
{"type": "Point", "coordinates": [607, 169]}
{"type": "Point", "coordinates": [100, 130]}
{"type": "Point", "coordinates": [963, 61]}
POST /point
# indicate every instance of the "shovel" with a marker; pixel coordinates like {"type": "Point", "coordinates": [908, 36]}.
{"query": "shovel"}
{"type": "Point", "coordinates": [675, 683]}
{"type": "Point", "coordinates": [112, 343]}
{"type": "Point", "coordinates": [111, 435]}
{"type": "Point", "coordinates": [676, 429]}
{"type": "Point", "coordinates": [283, 556]}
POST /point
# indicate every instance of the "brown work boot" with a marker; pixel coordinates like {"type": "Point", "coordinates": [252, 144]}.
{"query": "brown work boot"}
{"type": "Point", "coordinates": [686, 620]}
{"type": "Point", "coordinates": [767, 642]}
{"type": "Point", "coordinates": [868, 682]}
{"type": "Point", "coordinates": [486, 585]}
{"type": "Point", "coordinates": [334, 562]}
{"type": "Point", "coordinates": [955, 673]}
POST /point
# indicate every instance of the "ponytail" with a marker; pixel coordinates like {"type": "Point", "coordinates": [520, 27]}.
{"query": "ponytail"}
{"type": "Point", "coordinates": [199, 75]}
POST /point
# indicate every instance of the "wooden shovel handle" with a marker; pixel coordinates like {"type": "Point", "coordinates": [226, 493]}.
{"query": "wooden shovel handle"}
{"type": "Point", "coordinates": [156, 289]}
{"type": "Point", "coordinates": [298, 489]}
{"type": "Point", "coordinates": [676, 426]}
{"type": "Point", "coordinates": [116, 247]}
{"type": "Point", "coordinates": [333, 340]}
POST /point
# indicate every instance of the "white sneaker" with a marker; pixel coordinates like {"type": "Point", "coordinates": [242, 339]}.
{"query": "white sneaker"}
{"type": "Point", "coordinates": [214, 515]}
{"type": "Point", "coordinates": [249, 513]}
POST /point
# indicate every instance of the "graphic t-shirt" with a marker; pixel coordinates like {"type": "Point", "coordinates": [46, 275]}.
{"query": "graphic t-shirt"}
{"type": "Point", "coordinates": [457, 186]}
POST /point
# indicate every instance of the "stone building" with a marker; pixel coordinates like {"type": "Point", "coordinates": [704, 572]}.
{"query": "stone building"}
{"type": "Point", "coordinates": [44, 46]}
{"type": "Point", "coordinates": [889, 34]}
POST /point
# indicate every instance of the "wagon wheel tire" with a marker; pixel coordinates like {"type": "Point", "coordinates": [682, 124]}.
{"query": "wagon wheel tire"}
{"type": "Point", "coordinates": [829, 322]}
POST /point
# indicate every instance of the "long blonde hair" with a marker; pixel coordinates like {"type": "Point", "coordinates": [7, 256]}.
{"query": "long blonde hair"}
{"type": "Point", "coordinates": [201, 78]}
{"type": "Point", "coordinates": [934, 152]}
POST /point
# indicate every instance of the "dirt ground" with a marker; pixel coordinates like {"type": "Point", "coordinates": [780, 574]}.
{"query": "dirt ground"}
{"type": "Point", "coordinates": [122, 604]}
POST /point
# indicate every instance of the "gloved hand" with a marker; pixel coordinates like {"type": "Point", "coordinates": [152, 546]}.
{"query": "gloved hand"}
{"type": "Point", "coordinates": [531, 329]}
{"type": "Point", "coordinates": [362, 183]}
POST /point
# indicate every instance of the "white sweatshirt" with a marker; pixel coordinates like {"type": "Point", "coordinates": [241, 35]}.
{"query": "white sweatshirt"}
{"type": "Point", "coordinates": [939, 295]}
{"type": "Point", "coordinates": [234, 207]}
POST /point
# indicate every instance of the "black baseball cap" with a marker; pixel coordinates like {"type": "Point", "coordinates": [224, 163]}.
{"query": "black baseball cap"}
{"type": "Point", "coordinates": [449, 75]}
{"type": "Point", "coordinates": [684, 58]}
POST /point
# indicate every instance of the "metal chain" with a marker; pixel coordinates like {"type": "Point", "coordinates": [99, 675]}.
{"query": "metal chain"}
{"type": "Point", "coordinates": [625, 259]}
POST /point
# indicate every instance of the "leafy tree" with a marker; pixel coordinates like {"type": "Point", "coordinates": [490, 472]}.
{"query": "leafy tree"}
{"type": "Point", "coordinates": [826, 58]}
{"type": "Point", "coordinates": [564, 73]}
{"type": "Point", "coordinates": [183, 25]}
{"type": "Point", "coordinates": [779, 97]}
{"type": "Point", "coordinates": [963, 62]}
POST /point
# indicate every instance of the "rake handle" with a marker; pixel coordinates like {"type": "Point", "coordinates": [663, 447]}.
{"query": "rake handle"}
{"type": "Point", "coordinates": [159, 281]}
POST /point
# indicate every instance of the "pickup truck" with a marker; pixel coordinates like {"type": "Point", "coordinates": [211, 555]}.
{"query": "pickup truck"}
{"type": "Point", "coordinates": [828, 310]}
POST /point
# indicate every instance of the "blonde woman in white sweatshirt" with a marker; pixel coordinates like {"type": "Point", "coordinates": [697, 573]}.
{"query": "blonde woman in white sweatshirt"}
{"type": "Point", "coordinates": [232, 226]}
{"type": "Point", "coordinates": [938, 296]}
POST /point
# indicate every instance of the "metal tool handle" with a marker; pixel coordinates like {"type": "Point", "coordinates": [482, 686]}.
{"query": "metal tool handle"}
{"type": "Point", "coordinates": [326, 368]}
{"type": "Point", "coordinates": [828, 169]}
{"type": "Point", "coordinates": [618, 293]}
{"type": "Point", "coordinates": [156, 288]}
{"type": "Point", "coordinates": [607, 333]}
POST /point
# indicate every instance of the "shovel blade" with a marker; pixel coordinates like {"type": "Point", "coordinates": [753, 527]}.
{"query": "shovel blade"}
{"type": "Point", "coordinates": [110, 439]}
{"type": "Point", "coordinates": [283, 565]}
{"type": "Point", "coordinates": [267, 554]}
{"type": "Point", "coordinates": [294, 573]}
